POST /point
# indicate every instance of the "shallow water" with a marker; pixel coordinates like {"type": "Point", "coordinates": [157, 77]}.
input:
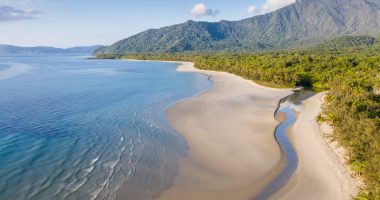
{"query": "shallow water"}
{"type": "Point", "coordinates": [72, 128]}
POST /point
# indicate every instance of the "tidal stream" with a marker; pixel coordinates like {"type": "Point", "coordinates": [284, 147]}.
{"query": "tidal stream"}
{"type": "Point", "coordinates": [288, 106]}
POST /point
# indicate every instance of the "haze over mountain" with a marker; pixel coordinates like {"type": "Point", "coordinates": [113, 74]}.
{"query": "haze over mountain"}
{"type": "Point", "coordinates": [16, 50]}
{"type": "Point", "coordinates": [304, 23]}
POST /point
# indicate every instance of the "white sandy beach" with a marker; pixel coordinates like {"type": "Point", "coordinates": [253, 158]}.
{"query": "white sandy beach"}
{"type": "Point", "coordinates": [229, 129]}
{"type": "Point", "coordinates": [232, 150]}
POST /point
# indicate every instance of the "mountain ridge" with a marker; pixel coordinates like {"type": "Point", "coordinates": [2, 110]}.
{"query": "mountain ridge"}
{"type": "Point", "coordinates": [18, 50]}
{"type": "Point", "coordinates": [303, 23]}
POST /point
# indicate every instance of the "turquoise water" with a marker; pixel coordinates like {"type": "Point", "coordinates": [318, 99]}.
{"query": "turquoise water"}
{"type": "Point", "coordinates": [73, 128]}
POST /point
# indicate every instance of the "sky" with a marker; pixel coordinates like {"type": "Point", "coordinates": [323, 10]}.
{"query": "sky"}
{"type": "Point", "coordinates": [67, 23]}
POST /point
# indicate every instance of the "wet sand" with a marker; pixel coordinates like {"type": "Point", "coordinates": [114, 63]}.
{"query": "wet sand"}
{"type": "Point", "coordinates": [229, 130]}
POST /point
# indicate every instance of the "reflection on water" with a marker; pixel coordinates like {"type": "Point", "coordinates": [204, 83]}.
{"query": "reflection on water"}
{"type": "Point", "coordinates": [13, 70]}
{"type": "Point", "coordinates": [288, 106]}
{"type": "Point", "coordinates": [95, 134]}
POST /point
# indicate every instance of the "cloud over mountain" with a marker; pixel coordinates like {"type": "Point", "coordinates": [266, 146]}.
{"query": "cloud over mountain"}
{"type": "Point", "coordinates": [200, 10]}
{"type": "Point", "coordinates": [272, 5]}
{"type": "Point", "coordinates": [251, 10]}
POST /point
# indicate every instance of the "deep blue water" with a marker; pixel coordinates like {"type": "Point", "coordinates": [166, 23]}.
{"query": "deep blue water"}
{"type": "Point", "coordinates": [73, 128]}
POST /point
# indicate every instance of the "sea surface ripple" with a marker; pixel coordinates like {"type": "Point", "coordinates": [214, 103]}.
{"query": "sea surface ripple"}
{"type": "Point", "coordinates": [72, 128]}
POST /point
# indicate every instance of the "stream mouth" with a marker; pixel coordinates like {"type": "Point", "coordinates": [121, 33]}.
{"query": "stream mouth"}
{"type": "Point", "coordinates": [288, 106]}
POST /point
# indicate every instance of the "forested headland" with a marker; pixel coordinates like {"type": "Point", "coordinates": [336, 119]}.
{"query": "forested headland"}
{"type": "Point", "coordinates": [348, 68]}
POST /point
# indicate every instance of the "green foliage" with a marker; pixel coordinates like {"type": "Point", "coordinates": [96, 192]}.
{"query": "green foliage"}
{"type": "Point", "coordinates": [320, 118]}
{"type": "Point", "coordinates": [352, 77]}
{"type": "Point", "coordinates": [348, 42]}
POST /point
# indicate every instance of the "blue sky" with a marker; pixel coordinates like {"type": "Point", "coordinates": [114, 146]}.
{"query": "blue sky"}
{"type": "Point", "coordinates": [66, 23]}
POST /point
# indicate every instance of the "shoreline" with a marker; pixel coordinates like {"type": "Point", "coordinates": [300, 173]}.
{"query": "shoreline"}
{"type": "Point", "coordinates": [329, 178]}
{"type": "Point", "coordinates": [234, 155]}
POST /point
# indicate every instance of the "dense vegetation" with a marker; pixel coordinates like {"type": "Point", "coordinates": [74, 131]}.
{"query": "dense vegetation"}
{"type": "Point", "coordinates": [351, 75]}
{"type": "Point", "coordinates": [347, 41]}
{"type": "Point", "coordinates": [304, 23]}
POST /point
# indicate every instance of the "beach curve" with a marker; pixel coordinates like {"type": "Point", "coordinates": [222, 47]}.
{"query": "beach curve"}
{"type": "Point", "coordinates": [321, 173]}
{"type": "Point", "coordinates": [229, 130]}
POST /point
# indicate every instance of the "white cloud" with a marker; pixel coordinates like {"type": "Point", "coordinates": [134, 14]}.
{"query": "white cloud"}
{"type": "Point", "coordinates": [16, 3]}
{"type": "Point", "coordinates": [272, 5]}
{"type": "Point", "coordinates": [251, 10]}
{"type": "Point", "coordinates": [12, 10]}
{"type": "Point", "coordinates": [9, 13]}
{"type": "Point", "coordinates": [200, 10]}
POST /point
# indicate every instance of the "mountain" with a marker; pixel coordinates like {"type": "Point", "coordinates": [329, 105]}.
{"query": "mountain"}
{"type": "Point", "coordinates": [304, 23]}
{"type": "Point", "coordinates": [15, 50]}
{"type": "Point", "coordinates": [82, 49]}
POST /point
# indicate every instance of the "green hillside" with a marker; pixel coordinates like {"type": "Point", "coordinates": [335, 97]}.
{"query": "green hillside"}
{"type": "Point", "coordinates": [304, 23]}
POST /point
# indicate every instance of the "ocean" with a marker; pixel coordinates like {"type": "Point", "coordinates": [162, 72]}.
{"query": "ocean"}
{"type": "Point", "coordinates": [79, 128]}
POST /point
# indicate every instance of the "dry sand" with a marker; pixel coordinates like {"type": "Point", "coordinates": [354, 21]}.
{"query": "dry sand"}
{"type": "Point", "coordinates": [320, 173]}
{"type": "Point", "coordinates": [230, 133]}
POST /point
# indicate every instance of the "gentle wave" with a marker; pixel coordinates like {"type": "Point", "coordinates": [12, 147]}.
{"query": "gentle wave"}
{"type": "Point", "coordinates": [74, 131]}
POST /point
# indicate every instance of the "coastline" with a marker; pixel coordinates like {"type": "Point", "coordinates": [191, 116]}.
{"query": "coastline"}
{"type": "Point", "coordinates": [229, 130]}
{"type": "Point", "coordinates": [205, 121]}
